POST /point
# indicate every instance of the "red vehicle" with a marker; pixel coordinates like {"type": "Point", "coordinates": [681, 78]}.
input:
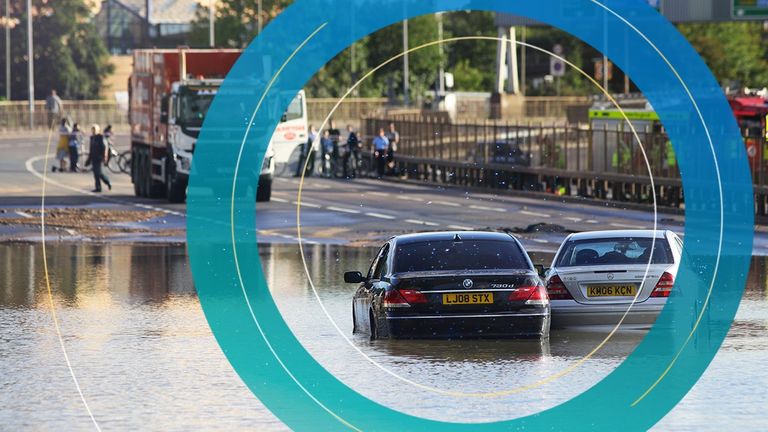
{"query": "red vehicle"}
{"type": "Point", "coordinates": [169, 93]}
{"type": "Point", "coordinates": [751, 113]}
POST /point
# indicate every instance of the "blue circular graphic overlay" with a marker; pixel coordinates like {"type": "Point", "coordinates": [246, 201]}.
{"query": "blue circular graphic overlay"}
{"type": "Point", "coordinates": [295, 387]}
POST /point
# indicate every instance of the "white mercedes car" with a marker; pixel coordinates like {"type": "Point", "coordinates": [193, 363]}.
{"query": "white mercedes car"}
{"type": "Point", "coordinates": [597, 276]}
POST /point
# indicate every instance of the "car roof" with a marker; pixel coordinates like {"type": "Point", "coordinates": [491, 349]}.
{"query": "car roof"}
{"type": "Point", "coordinates": [617, 233]}
{"type": "Point", "coordinates": [450, 235]}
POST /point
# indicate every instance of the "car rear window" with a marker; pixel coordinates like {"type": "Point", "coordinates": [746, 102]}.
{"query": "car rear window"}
{"type": "Point", "coordinates": [613, 251]}
{"type": "Point", "coordinates": [460, 256]}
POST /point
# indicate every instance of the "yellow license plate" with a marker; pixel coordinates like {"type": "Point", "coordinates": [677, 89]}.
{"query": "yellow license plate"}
{"type": "Point", "coordinates": [611, 291]}
{"type": "Point", "coordinates": [467, 298]}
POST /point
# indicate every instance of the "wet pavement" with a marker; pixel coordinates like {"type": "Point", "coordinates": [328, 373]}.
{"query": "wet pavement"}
{"type": "Point", "coordinates": [145, 358]}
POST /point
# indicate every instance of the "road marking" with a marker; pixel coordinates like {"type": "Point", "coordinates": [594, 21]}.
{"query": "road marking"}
{"type": "Point", "coordinates": [319, 186]}
{"type": "Point", "coordinates": [495, 209]}
{"type": "Point", "coordinates": [381, 216]}
{"type": "Point", "coordinates": [573, 219]}
{"type": "Point", "coordinates": [446, 203]}
{"type": "Point", "coordinates": [460, 228]}
{"type": "Point", "coordinates": [343, 210]}
{"type": "Point", "coordinates": [540, 240]}
{"type": "Point", "coordinates": [592, 221]}
{"type": "Point", "coordinates": [23, 214]}
{"type": "Point", "coordinates": [379, 193]}
{"type": "Point", "coordinates": [530, 213]}
{"type": "Point", "coordinates": [306, 204]}
{"type": "Point", "coordinates": [407, 198]}
{"type": "Point", "coordinates": [421, 222]}
{"type": "Point", "coordinates": [619, 225]}
{"type": "Point", "coordinates": [280, 200]}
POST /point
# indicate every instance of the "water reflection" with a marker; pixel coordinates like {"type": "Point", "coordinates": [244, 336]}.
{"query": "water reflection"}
{"type": "Point", "coordinates": [140, 343]}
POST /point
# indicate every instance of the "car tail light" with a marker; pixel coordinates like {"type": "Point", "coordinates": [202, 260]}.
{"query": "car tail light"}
{"type": "Point", "coordinates": [556, 289]}
{"type": "Point", "coordinates": [403, 298]}
{"type": "Point", "coordinates": [531, 295]}
{"type": "Point", "coordinates": [664, 286]}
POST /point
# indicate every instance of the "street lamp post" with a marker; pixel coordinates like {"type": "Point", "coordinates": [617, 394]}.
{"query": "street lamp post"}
{"type": "Point", "coordinates": [260, 18]}
{"type": "Point", "coordinates": [211, 23]}
{"type": "Point", "coordinates": [406, 85]}
{"type": "Point", "coordinates": [8, 49]}
{"type": "Point", "coordinates": [30, 66]}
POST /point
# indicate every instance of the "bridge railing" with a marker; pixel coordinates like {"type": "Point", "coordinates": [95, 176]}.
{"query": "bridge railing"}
{"type": "Point", "coordinates": [559, 158]}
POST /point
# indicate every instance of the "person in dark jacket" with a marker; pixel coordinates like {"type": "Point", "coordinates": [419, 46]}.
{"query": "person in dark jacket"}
{"type": "Point", "coordinates": [351, 157]}
{"type": "Point", "coordinates": [97, 156]}
{"type": "Point", "coordinates": [74, 147]}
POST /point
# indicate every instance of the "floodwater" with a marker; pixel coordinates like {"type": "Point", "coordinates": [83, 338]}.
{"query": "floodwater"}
{"type": "Point", "coordinates": [145, 358]}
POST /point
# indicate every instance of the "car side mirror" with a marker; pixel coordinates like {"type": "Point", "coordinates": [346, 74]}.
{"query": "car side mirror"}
{"type": "Point", "coordinates": [541, 270]}
{"type": "Point", "coordinates": [353, 277]}
{"type": "Point", "coordinates": [284, 118]}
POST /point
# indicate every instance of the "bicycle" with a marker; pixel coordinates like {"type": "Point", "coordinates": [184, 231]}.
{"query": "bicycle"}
{"type": "Point", "coordinates": [124, 162]}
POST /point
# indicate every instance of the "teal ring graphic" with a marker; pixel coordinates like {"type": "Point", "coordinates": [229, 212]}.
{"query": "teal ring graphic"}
{"type": "Point", "coordinates": [270, 360]}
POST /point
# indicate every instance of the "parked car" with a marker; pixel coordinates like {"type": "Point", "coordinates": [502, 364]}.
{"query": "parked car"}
{"type": "Point", "coordinates": [597, 276]}
{"type": "Point", "coordinates": [500, 152]}
{"type": "Point", "coordinates": [450, 285]}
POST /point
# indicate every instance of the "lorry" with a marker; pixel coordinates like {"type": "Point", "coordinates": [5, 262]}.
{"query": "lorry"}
{"type": "Point", "coordinates": [170, 92]}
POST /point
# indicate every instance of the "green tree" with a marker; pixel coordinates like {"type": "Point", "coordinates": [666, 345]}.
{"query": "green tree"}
{"type": "Point", "coordinates": [479, 55]}
{"type": "Point", "coordinates": [423, 63]}
{"type": "Point", "coordinates": [69, 56]}
{"type": "Point", "coordinates": [735, 51]}
{"type": "Point", "coordinates": [338, 75]}
{"type": "Point", "coordinates": [468, 78]}
{"type": "Point", "coordinates": [236, 22]}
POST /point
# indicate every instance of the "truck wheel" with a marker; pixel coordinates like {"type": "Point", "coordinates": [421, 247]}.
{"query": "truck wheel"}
{"type": "Point", "coordinates": [135, 167]}
{"type": "Point", "coordinates": [264, 193]}
{"type": "Point", "coordinates": [176, 189]}
{"type": "Point", "coordinates": [140, 181]}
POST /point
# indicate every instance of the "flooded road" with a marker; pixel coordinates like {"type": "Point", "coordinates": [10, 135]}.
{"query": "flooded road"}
{"type": "Point", "coordinates": [145, 358]}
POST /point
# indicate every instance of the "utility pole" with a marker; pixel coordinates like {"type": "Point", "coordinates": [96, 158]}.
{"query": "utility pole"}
{"type": "Point", "coordinates": [8, 49]}
{"type": "Point", "coordinates": [211, 19]}
{"type": "Point", "coordinates": [441, 74]}
{"type": "Point", "coordinates": [30, 66]}
{"type": "Point", "coordinates": [260, 24]}
{"type": "Point", "coordinates": [406, 85]}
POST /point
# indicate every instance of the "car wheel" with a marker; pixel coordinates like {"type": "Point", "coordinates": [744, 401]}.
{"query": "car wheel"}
{"type": "Point", "coordinates": [374, 326]}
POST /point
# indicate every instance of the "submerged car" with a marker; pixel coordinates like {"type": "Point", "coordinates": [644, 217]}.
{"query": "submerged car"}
{"type": "Point", "coordinates": [596, 277]}
{"type": "Point", "coordinates": [450, 285]}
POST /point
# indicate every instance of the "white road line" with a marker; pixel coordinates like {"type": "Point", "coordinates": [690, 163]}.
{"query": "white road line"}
{"type": "Point", "coordinates": [540, 240]}
{"type": "Point", "coordinates": [407, 198]}
{"type": "Point", "coordinates": [573, 219]}
{"type": "Point", "coordinates": [280, 200]}
{"type": "Point", "coordinates": [535, 214]}
{"type": "Point", "coordinates": [446, 203]}
{"type": "Point", "coordinates": [421, 222]}
{"type": "Point", "coordinates": [23, 214]}
{"type": "Point", "coordinates": [319, 186]}
{"type": "Point", "coordinates": [495, 209]}
{"type": "Point", "coordinates": [620, 225]}
{"type": "Point", "coordinates": [592, 221]}
{"type": "Point", "coordinates": [379, 193]}
{"type": "Point", "coordinates": [343, 210]}
{"type": "Point", "coordinates": [306, 204]}
{"type": "Point", "coordinates": [380, 216]}
{"type": "Point", "coordinates": [460, 228]}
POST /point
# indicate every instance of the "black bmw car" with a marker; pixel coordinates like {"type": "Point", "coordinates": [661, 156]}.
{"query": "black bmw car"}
{"type": "Point", "coordinates": [451, 285]}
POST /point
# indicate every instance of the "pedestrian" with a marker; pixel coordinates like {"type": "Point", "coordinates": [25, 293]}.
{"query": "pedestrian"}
{"type": "Point", "coordinates": [54, 107]}
{"type": "Point", "coordinates": [380, 146]}
{"type": "Point", "coordinates": [352, 153]}
{"type": "Point", "coordinates": [97, 155]}
{"type": "Point", "coordinates": [307, 159]}
{"type": "Point", "coordinates": [326, 148]}
{"type": "Point", "coordinates": [394, 139]}
{"type": "Point", "coordinates": [75, 139]}
{"type": "Point", "coordinates": [62, 149]}
{"type": "Point", "coordinates": [335, 136]}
